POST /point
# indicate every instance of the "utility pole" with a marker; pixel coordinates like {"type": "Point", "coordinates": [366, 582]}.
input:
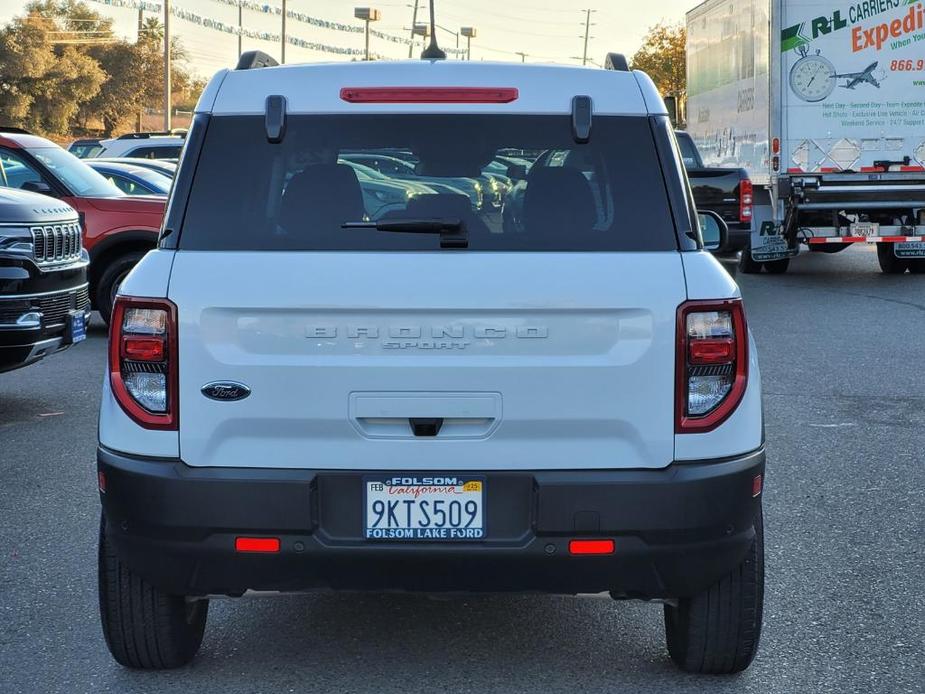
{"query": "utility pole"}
{"type": "Point", "coordinates": [523, 56]}
{"type": "Point", "coordinates": [414, 23]}
{"type": "Point", "coordinates": [240, 26]}
{"type": "Point", "coordinates": [141, 27]}
{"type": "Point", "coordinates": [282, 51]}
{"type": "Point", "coordinates": [584, 55]}
{"type": "Point", "coordinates": [167, 99]}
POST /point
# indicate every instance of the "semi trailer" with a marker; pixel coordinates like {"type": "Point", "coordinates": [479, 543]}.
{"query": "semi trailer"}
{"type": "Point", "coordinates": [823, 104]}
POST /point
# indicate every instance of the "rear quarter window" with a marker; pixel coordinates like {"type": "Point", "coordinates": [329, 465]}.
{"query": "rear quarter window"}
{"type": "Point", "coordinates": [606, 195]}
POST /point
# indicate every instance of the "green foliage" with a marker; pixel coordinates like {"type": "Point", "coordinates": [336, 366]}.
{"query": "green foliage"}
{"type": "Point", "coordinates": [63, 69]}
{"type": "Point", "coordinates": [663, 56]}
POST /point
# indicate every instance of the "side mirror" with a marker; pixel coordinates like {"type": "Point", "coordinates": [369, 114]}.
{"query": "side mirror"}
{"type": "Point", "coordinates": [517, 172]}
{"type": "Point", "coordinates": [713, 231]}
{"type": "Point", "coordinates": [38, 187]}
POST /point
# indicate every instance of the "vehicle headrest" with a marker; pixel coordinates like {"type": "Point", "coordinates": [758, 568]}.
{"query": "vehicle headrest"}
{"type": "Point", "coordinates": [558, 200]}
{"type": "Point", "coordinates": [322, 197]}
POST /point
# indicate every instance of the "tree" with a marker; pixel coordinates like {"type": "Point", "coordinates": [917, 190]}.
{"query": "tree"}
{"type": "Point", "coordinates": [62, 65]}
{"type": "Point", "coordinates": [663, 56]}
{"type": "Point", "coordinates": [45, 79]}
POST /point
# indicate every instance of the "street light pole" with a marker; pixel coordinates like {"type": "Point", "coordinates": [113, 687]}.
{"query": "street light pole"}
{"type": "Point", "coordinates": [167, 95]}
{"type": "Point", "coordinates": [584, 55]}
{"type": "Point", "coordinates": [523, 56]}
{"type": "Point", "coordinates": [240, 26]}
{"type": "Point", "coordinates": [470, 33]}
{"type": "Point", "coordinates": [283, 37]}
{"type": "Point", "coordinates": [414, 23]}
{"type": "Point", "coordinates": [367, 14]}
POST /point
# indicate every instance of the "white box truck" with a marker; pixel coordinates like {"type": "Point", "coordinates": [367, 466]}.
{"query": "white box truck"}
{"type": "Point", "coordinates": [823, 103]}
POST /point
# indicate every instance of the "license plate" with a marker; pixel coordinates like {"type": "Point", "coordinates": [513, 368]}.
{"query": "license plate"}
{"type": "Point", "coordinates": [912, 249]}
{"type": "Point", "coordinates": [77, 326]}
{"type": "Point", "coordinates": [865, 229]}
{"type": "Point", "coordinates": [424, 507]}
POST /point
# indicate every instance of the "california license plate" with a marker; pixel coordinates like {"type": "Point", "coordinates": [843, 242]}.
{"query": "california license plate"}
{"type": "Point", "coordinates": [424, 507]}
{"type": "Point", "coordinates": [865, 229]}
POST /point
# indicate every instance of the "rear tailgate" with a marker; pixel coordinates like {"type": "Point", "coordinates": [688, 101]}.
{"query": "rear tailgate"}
{"type": "Point", "coordinates": [717, 189]}
{"type": "Point", "coordinates": [528, 366]}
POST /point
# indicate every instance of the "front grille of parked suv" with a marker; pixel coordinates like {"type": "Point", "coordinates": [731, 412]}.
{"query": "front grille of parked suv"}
{"type": "Point", "coordinates": [56, 243]}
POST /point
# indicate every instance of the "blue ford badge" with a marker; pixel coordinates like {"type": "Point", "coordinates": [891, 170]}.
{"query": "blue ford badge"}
{"type": "Point", "coordinates": [226, 390]}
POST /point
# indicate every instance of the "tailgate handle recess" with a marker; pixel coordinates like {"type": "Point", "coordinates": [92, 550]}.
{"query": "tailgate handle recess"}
{"type": "Point", "coordinates": [425, 426]}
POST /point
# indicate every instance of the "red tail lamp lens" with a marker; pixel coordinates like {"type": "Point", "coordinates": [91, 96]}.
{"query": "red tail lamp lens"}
{"type": "Point", "coordinates": [719, 351]}
{"type": "Point", "coordinates": [429, 95]}
{"type": "Point", "coordinates": [256, 544]}
{"type": "Point", "coordinates": [591, 547]}
{"type": "Point", "coordinates": [143, 348]}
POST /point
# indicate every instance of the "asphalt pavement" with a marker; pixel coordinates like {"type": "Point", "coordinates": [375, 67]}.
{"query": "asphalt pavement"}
{"type": "Point", "coordinates": [844, 385]}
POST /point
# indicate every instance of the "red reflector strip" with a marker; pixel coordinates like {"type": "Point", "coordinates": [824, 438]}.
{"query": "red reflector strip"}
{"type": "Point", "coordinates": [143, 348]}
{"type": "Point", "coordinates": [429, 95]}
{"type": "Point", "coordinates": [865, 239]}
{"type": "Point", "coordinates": [712, 351]}
{"type": "Point", "coordinates": [591, 547]}
{"type": "Point", "coordinates": [101, 481]}
{"type": "Point", "coordinates": [757, 483]}
{"type": "Point", "coordinates": [256, 544]}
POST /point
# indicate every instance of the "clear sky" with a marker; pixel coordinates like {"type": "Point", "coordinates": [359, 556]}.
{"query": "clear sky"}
{"type": "Point", "coordinates": [547, 31]}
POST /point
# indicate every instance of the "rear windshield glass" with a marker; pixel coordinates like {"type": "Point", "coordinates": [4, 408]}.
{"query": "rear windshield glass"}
{"type": "Point", "coordinates": [509, 182]}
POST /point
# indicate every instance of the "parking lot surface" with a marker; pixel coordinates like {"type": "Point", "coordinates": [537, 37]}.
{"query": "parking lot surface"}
{"type": "Point", "coordinates": [844, 395]}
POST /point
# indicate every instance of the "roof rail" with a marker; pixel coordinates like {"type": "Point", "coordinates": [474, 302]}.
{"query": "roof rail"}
{"type": "Point", "coordinates": [178, 132]}
{"type": "Point", "coordinates": [254, 59]}
{"type": "Point", "coordinates": [616, 61]}
{"type": "Point", "coordinates": [14, 129]}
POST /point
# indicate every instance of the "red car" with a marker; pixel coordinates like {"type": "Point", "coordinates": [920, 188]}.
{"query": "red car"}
{"type": "Point", "coordinates": [118, 229]}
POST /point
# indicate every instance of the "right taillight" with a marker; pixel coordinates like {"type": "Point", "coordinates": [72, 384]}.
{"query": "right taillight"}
{"type": "Point", "coordinates": [143, 360]}
{"type": "Point", "coordinates": [712, 363]}
{"type": "Point", "coordinates": [746, 200]}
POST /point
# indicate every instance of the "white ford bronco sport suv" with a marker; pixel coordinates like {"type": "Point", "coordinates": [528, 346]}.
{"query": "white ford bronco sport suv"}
{"type": "Point", "coordinates": [303, 394]}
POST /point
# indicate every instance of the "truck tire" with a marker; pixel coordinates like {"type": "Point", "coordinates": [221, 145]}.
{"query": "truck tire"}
{"type": "Point", "coordinates": [717, 631]}
{"type": "Point", "coordinates": [778, 267]}
{"type": "Point", "coordinates": [889, 263]}
{"type": "Point", "coordinates": [917, 267]}
{"type": "Point", "coordinates": [110, 280]}
{"type": "Point", "coordinates": [144, 627]}
{"type": "Point", "coordinates": [747, 264]}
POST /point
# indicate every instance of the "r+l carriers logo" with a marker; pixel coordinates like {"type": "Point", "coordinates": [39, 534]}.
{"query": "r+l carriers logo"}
{"type": "Point", "coordinates": [874, 37]}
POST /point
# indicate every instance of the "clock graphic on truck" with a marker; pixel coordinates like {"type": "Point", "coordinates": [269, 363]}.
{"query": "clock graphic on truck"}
{"type": "Point", "coordinates": [813, 78]}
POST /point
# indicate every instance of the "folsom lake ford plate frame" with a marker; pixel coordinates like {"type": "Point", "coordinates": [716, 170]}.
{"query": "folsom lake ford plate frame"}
{"type": "Point", "coordinates": [424, 507]}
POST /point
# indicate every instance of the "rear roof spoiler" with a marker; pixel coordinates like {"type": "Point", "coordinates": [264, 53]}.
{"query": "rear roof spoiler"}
{"type": "Point", "coordinates": [250, 60]}
{"type": "Point", "coordinates": [616, 61]}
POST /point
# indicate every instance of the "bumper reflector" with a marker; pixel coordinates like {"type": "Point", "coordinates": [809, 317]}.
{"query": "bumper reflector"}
{"type": "Point", "coordinates": [591, 547]}
{"type": "Point", "coordinates": [757, 484]}
{"type": "Point", "coordinates": [256, 544]}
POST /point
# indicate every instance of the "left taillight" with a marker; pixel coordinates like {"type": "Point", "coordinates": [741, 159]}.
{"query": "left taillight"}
{"type": "Point", "coordinates": [746, 200]}
{"type": "Point", "coordinates": [712, 363]}
{"type": "Point", "coordinates": [143, 360]}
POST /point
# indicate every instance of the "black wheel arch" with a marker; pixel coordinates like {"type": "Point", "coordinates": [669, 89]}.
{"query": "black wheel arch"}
{"type": "Point", "coordinates": [114, 246]}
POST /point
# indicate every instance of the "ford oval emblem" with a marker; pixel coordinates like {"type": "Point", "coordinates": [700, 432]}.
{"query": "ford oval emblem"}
{"type": "Point", "coordinates": [225, 390]}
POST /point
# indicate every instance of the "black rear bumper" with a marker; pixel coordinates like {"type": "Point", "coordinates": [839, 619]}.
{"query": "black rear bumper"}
{"type": "Point", "coordinates": [676, 530]}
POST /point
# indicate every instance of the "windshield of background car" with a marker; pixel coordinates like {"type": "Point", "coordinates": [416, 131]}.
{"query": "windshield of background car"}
{"type": "Point", "coordinates": [79, 178]}
{"type": "Point", "coordinates": [689, 153]}
{"type": "Point", "coordinates": [606, 195]}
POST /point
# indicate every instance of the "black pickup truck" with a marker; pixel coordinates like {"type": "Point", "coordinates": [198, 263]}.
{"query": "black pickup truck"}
{"type": "Point", "coordinates": [728, 192]}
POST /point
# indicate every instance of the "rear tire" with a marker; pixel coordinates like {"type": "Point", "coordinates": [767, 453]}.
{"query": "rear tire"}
{"type": "Point", "coordinates": [917, 267]}
{"type": "Point", "coordinates": [747, 264]}
{"type": "Point", "coordinates": [717, 631]}
{"type": "Point", "coordinates": [889, 263]}
{"type": "Point", "coordinates": [144, 627]}
{"type": "Point", "coordinates": [110, 280]}
{"type": "Point", "coordinates": [778, 267]}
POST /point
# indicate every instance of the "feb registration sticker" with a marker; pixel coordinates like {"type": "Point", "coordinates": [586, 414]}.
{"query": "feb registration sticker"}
{"type": "Point", "coordinates": [424, 507]}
